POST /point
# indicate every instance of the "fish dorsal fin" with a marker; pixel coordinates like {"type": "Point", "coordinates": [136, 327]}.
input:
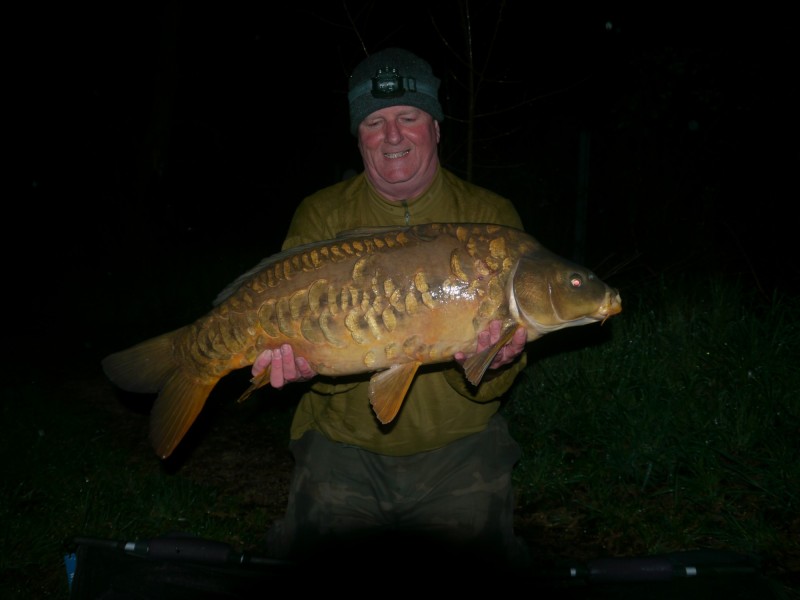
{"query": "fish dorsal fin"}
{"type": "Point", "coordinates": [388, 388]}
{"type": "Point", "coordinates": [475, 366]}
{"type": "Point", "coordinates": [374, 230]}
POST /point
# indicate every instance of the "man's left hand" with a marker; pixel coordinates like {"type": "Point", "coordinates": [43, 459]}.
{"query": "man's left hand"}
{"type": "Point", "coordinates": [285, 366]}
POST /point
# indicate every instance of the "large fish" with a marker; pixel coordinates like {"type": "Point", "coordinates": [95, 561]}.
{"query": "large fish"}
{"type": "Point", "coordinates": [384, 300]}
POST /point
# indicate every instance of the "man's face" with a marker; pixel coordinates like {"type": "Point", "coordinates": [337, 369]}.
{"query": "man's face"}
{"type": "Point", "coordinates": [399, 148]}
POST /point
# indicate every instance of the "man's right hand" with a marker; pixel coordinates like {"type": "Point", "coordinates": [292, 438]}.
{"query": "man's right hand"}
{"type": "Point", "coordinates": [286, 367]}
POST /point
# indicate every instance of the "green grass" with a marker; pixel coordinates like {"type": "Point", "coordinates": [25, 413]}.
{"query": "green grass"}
{"type": "Point", "coordinates": [679, 429]}
{"type": "Point", "coordinates": [673, 426]}
{"type": "Point", "coordinates": [70, 476]}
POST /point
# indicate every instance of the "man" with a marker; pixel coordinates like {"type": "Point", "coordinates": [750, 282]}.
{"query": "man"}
{"type": "Point", "coordinates": [441, 471]}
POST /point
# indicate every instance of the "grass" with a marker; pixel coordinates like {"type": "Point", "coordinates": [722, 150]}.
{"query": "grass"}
{"type": "Point", "coordinates": [71, 473]}
{"type": "Point", "coordinates": [677, 430]}
{"type": "Point", "coordinates": [673, 426]}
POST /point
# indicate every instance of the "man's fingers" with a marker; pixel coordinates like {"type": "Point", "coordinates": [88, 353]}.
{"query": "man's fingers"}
{"type": "Point", "coordinates": [520, 339]}
{"type": "Point", "coordinates": [285, 367]}
{"type": "Point", "coordinates": [484, 340]}
{"type": "Point", "coordinates": [276, 377]}
{"type": "Point", "coordinates": [511, 350]}
{"type": "Point", "coordinates": [495, 327]}
{"type": "Point", "coordinates": [262, 362]}
{"type": "Point", "coordinates": [304, 369]}
{"type": "Point", "coordinates": [289, 367]}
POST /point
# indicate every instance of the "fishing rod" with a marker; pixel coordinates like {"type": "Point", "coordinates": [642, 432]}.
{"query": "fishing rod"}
{"type": "Point", "coordinates": [667, 567]}
{"type": "Point", "coordinates": [192, 549]}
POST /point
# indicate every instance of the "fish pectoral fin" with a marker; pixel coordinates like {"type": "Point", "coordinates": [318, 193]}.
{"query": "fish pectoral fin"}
{"type": "Point", "coordinates": [175, 409]}
{"type": "Point", "coordinates": [255, 383]}
{"type": "Point", "coordinates": [388, 388]}
{"type": "Point", "coordinates": [475, 366]}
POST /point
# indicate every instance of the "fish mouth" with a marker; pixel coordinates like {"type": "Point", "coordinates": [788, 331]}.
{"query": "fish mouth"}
{"type": "Point", "coordinates": [392, 155]}
{"type": "Point", "coordinates": [612, 306]}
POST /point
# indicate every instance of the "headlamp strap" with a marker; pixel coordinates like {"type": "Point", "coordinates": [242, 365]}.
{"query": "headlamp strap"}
{"type": "Point", "coordinates": [388, 83]}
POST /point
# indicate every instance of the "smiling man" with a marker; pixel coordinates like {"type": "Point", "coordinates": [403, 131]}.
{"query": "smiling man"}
{"type": "Point", "coordinates": [441, 471]}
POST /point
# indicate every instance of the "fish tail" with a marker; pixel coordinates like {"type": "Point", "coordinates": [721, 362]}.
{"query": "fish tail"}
{"type": "Point", "coordinates": [144, 368]}
{"type": "Point", "coordinates": [151, 367]}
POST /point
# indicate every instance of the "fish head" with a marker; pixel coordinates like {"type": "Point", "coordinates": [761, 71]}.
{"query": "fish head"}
{"type": "Point", "coordinates": [548, 292]}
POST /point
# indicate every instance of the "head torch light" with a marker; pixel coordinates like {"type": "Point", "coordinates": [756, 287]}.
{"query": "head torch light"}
{"type": "Point", "coordinates": [388, 83]}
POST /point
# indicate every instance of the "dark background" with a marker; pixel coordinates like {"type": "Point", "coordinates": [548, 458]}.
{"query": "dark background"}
{"type": "Point", "coordinates": [162, 133]}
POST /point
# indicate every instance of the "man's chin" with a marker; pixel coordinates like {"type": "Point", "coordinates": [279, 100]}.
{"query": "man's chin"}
{"type": "Point", "coordinates": [395, 177]}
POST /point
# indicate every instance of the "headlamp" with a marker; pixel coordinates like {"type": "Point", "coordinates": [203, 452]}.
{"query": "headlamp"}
{"type": "Point", "coordinates": [387, 83]}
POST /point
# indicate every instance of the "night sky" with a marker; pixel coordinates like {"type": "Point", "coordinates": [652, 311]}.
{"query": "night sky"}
{"type": "Point", "coordinates": [155, 131]}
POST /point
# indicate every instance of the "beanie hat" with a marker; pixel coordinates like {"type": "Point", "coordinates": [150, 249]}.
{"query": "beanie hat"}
{"type": "Point", "coordinates": [392, 77]}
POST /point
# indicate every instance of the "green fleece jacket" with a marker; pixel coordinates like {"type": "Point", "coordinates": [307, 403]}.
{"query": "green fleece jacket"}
{"type": "Point", "coordinates": [440, 406]}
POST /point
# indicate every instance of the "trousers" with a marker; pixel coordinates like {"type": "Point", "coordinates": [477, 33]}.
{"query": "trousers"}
{"type": "Point", "coordinates": [455, 501]}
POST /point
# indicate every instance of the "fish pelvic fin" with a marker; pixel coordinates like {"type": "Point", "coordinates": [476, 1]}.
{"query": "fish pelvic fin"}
{"type": "Point", "coordinates": [388, 389]}
{"type": "Point", "coordinates": [255, 383]}
{"type": "Point", "coordinates": [475, 366]}
{"type": "Point", "coordinates": [175, 409]}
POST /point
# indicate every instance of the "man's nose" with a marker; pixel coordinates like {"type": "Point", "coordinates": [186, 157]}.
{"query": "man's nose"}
{"type": "Point", "coordinates": [393, 132]}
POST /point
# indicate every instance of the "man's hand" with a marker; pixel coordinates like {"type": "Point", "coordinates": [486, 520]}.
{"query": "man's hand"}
{"type": "Point", "coordinates": [507, 354]}
{"type": "Point", "coordinates": [286, 367]}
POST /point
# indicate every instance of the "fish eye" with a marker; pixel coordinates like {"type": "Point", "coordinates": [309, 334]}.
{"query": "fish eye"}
{"type": "Point", "coordinates": [576, 280]}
